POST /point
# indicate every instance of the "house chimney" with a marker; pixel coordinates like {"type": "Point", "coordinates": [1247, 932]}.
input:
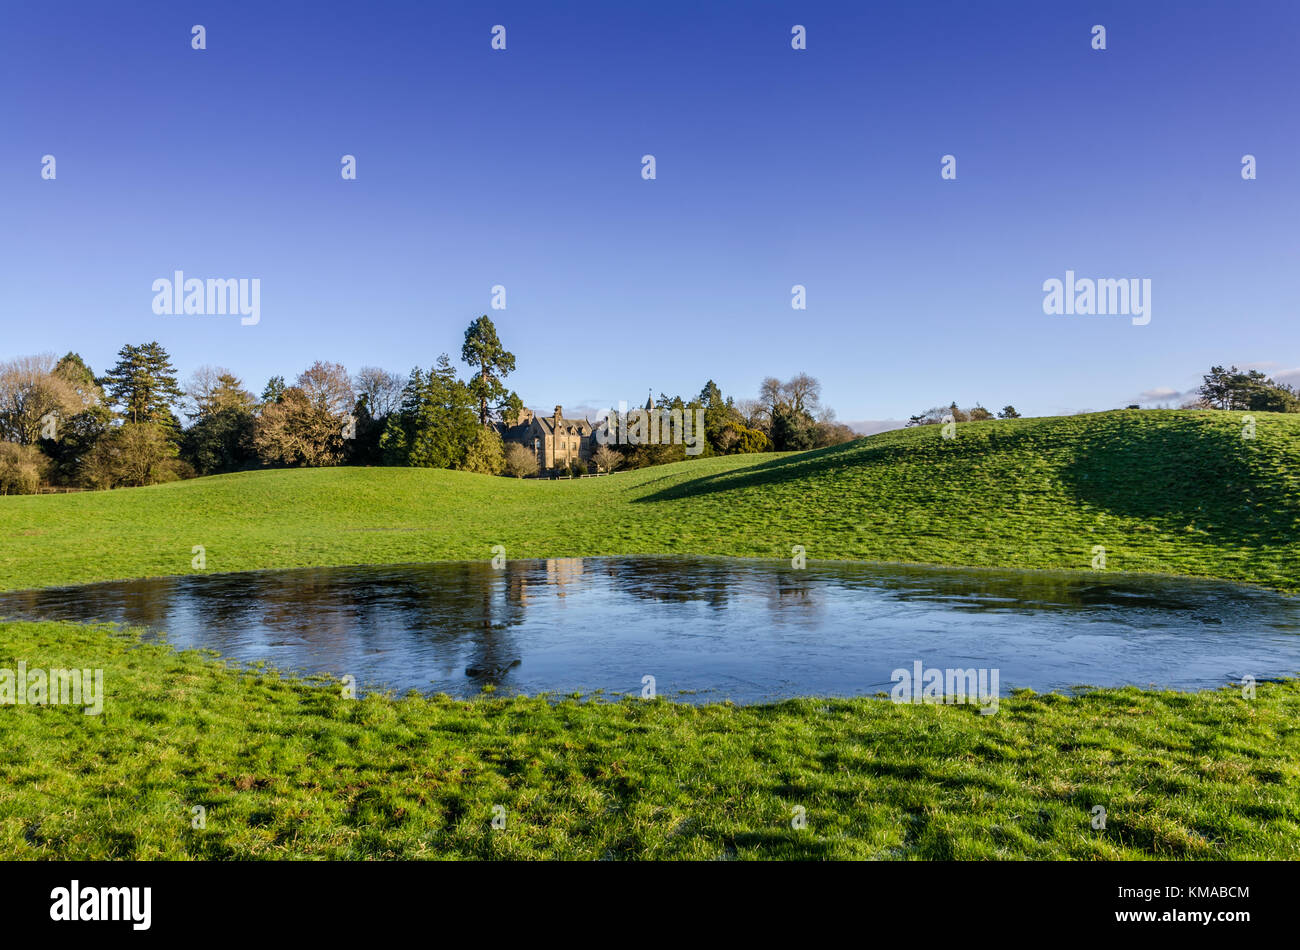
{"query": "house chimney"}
{"type": "Point", "coordinates": [559, 412]}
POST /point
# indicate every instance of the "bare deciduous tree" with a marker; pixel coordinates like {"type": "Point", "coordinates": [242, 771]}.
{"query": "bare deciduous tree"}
{"type": "Point", "coordinates": [327, 386]}
{"type": "Point", "coordinates": [144, 451]}
{"type": "Point", "coordinates": [802, 393]}
{"type": "Point", "coordinates": [520, 460]}
{"type": "Point", "coordinates": [22, 469]}
{"type": "Point", "coordinates": [769, 395]}
{"type": "Point", "coordinates": [754, 414]}
{"type": "Point", "coordinates": [30, 391]}
{"type": "Point", "coordinates": [607, 459]}
{"type": "Point", "coordinates": [297, 431]}
{"type": "Point", "coordinates": [135, 453]}
{"type": "Point", "coordinates": [381, 389]}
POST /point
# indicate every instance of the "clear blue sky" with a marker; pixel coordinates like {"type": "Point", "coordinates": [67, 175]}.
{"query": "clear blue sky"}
{"type": "Point", "coordinates": [775, 167]}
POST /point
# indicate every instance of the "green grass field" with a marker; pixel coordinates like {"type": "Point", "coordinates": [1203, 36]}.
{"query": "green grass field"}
{"type": "Point", "coordinates": [1163, 492]}
{"type": "Point", "coordinates": [287, 768]}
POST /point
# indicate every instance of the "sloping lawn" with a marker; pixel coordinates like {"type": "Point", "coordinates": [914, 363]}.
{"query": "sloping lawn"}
{"type": "Point", "coordinates": [287, 769]}
{"type": "Point", "coordinates": [1164, 492]}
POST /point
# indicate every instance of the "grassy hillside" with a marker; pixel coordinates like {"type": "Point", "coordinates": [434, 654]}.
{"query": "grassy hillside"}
{"type": "Point", "coordinates": [1171, 492]}
{"type": "Point", "coordinates": [287, 769]}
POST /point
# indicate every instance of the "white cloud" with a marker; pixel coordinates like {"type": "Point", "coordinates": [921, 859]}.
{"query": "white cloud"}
{"type": "Point", "coordinates": [1168, 396]}
{"type": "Point", "coordinates": [1290, 377]}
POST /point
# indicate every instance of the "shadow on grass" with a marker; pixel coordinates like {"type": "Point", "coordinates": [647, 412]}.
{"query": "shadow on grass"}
{"type": "Point", "coordinates": [787, 844]}
{"type": "Point", "coordinates": [796, 468]}
{"type": "Point", "coordinates": [1191, 476]}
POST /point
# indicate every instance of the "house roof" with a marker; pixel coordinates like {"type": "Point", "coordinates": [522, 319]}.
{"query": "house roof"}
{"type": "Point", "coordinates": [519, 433]}
{"type": "Point", "coordinates": [567, 426]}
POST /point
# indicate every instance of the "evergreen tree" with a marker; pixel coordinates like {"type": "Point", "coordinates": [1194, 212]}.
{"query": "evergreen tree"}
{"type": "Point", "coordinates": [792, 429]}
{"type": "Point", "coordinates": [78, 433]}
{"type": "Point", "coordinates": [485, 453]}
{"type": "Point", "coordinates": [213, 389]}
{"type": "Point", "coordinates": [436, 422]}
{"type": "Point", "coordinates": [1235, 389]}
{"type": "Point", "coordinates": [484, 352]}
{"type": "Point", "coordinates": [143, 385]}
{"type": "Point", "coordinates": [274, 391]}
{"type": "Point", "coordinates": [221, 440]}
{"type": "Point", "coordinates": [722, 420]}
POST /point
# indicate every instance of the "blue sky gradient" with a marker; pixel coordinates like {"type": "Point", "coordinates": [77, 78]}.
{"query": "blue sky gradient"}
{"type": "Point", "coordinates": [775, 167]}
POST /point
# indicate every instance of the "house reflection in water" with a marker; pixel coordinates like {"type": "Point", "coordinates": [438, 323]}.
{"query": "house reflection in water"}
{"type": "Point", "coordinates": [709, 628]}
{"type": "Point", "coordinates": [560, 573]}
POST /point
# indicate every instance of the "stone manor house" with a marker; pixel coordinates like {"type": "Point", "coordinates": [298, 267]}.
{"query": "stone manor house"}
{"type": "Point", "coordinates": [554, 440]}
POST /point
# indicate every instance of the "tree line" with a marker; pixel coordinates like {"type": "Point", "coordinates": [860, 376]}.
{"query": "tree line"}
{"type": "Point", "coordinates": [1230, 389]}
{"type": "Point", "coordinates": [785, 417]}
{"type": "Point", "coordinates": [61, 425]}
{"type": "Point", "coordinates": [1252, 391]}
{"type": "Point", "coordinates": [954, 413]}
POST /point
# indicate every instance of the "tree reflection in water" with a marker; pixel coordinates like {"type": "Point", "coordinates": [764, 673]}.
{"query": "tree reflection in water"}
{"type": "Point", "coordinates": [720, 628]}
